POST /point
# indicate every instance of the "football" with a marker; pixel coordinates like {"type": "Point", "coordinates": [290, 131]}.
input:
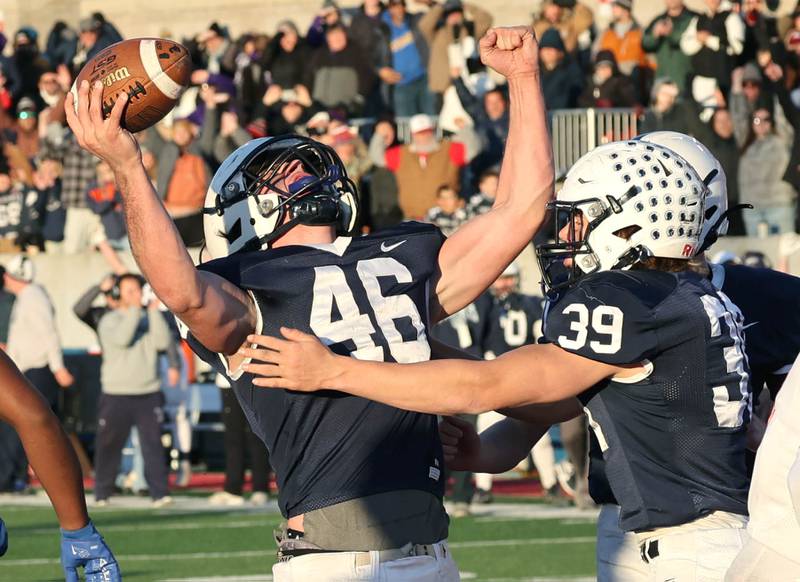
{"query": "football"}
{"type": "Point", "coordinates": [152, 71]}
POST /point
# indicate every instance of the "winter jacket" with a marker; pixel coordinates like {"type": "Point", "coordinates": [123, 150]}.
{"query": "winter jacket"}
{"type": "Point", "coordinates": [440, 37]}
{"type": "Point", "coordinates": [671, 61]}
{"type": "Point", "coordinates": [761, 170]}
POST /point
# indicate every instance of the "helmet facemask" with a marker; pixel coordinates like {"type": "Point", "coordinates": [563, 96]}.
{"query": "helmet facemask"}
{"type": "Point", "coordinates": [252, 193]}
{"type": "Point", "coordinates": [570, 256]}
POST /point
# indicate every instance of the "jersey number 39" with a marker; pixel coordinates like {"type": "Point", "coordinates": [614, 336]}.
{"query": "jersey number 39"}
{"type": "Point", "coordinates": [603, 320]}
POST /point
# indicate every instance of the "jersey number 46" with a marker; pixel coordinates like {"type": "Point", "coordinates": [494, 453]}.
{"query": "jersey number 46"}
{"type": "Point", "coordinates": [355, 325]}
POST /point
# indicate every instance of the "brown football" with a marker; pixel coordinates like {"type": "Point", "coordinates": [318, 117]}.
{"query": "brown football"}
{"type": "Point", "coordinates": [152, 71]}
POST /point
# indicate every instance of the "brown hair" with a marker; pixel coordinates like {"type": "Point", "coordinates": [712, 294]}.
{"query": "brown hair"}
{"type": "Point", "coordinates": [665, 264]}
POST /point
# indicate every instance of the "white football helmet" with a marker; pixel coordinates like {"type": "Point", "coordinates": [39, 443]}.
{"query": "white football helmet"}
{"type": "Point", "coordinates": [245, 209]}
{"type": "Point", "coordinates": [634, 200]}
{"type": "Point", "coordinates": [709, 169]}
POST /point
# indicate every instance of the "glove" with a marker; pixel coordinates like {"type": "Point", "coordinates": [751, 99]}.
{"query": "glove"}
{"type": "Point", "coordinates": [86, 547]}
{"type": "Point", "coordinates": [3, 538]}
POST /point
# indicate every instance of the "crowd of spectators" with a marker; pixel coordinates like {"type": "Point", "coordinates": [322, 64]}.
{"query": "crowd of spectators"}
{"type": "Point", "coordinates": [418, 122]}
{"type": "Point", "coordinates": [404, 100]}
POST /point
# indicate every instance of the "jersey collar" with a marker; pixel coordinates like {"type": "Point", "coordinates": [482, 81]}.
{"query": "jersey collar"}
{"type": "Point", "coordinates": [337, 247]}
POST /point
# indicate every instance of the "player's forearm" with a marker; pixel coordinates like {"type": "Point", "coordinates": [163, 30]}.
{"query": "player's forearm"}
{"type": "Point", "coordinates": [532, 374]}
{"type": "Point", "coordinates": [445, 387]}
{"type": "Point", "coordinates": [477, 253]}
{"type": "Point", "coordinates": [546, 414]}
{"type": "Point", "coordinates": [156, 245]}
{"type": "Point", "coordinates": [506, 443]}
{"type": "Point", "coordinates": [527, 175]}
{"type": "Point", "coordinates": [427, 387]}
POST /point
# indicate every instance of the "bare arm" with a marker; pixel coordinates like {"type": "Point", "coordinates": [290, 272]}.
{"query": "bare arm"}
{"type": "Point", "coordinates": [506, 443]}
{"type": "Point", "coordinates": [498, 449]}
{"type": "Point", "coordinates": [219, 314]}
{"type": "Point", "coordinates": [477, 253]}
{"type": "Point", "coordinates": [548, 414]}
{"type": "Point", "coordinates": [437, 387]}
{"type": "Point", "coordinates": [45, 443]}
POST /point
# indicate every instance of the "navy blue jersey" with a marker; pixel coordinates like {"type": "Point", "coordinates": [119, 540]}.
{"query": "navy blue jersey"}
{"type": "Point", "coordinates": [770, 303]}
{"type": "Point", "coordinates": [366, 297]}
{"type": "Point", "coordinates": [508, 323]}
{"type": "Point", "coordinates": [673, 439]}
{"type": "Point", "coordinates": [461, 330]}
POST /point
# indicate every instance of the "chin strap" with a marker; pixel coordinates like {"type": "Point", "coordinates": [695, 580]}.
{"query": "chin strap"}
{"type": "Point", "coordinates": [713, 233]}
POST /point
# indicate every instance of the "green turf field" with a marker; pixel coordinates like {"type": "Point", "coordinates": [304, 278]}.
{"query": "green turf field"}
{"type": "Point", "coordinates": [187, 542]}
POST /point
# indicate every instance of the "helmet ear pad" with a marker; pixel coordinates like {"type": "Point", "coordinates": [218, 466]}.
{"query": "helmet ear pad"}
{"type": "Point", "coordinates": [316, 210]}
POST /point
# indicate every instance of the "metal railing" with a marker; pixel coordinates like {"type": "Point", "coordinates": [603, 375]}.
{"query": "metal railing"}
{"type": "Point", "coordinates": [577, 131]}
{"type": "Point", "coordinates": [574, 131]}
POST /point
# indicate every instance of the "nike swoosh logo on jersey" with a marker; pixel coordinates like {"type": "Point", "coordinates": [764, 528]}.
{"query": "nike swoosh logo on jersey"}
{"type": "Point", "coordinates": [386, 248]}
{"type": "Point", "coordinates": [744, 327]}
{"type": "Point", "coordinates": [582, 181]}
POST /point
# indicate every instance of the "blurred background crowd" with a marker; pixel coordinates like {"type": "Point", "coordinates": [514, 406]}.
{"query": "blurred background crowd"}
{"type": "Point", "coordinates": [404, 100]}
{"type": "Point", "coordinates": [419, 123]}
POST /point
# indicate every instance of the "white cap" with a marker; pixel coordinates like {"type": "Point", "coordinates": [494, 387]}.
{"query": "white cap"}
{"type": "Point", "coordinates": [510, 271]}
{"type": "Point", "coordinates": [318, 118]}
{"type": "Point", "coordinates": [420, 122]}
{"type": "Point", "coordinates": [22, 268]}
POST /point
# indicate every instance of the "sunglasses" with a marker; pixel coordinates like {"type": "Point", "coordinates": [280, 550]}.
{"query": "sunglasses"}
{"type": "Point", "coordinates": [760, 120]}
{"type": "Point", "coordinates": [27, 115]}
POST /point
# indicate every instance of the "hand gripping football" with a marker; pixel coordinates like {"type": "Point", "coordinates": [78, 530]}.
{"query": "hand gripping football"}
{"type": "Point", "coordinates": [152, 71]}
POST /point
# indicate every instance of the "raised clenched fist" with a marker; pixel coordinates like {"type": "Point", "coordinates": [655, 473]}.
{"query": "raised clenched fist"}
{"type": "Point", "coordinates": [511, 51]}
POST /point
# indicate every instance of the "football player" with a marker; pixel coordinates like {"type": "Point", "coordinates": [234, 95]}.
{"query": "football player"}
{"type": "Point", "coordinates": [771, 552]}
{"type": "Point", "coordinates": [653, 352]}
{"type": "Point", "coordinates": [360, 483]}
{"type": "Point", "coordinates": [52, 457]}
{"type": "Point", "coordinates": [768, 301]}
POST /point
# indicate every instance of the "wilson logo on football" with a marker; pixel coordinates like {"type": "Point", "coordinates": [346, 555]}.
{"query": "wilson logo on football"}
{"type": "Point", "coordinates": [116, 75]}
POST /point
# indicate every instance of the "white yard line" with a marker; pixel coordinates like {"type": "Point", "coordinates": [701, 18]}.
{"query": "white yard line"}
{"type": "Point", "coordinates": [260, 553]}
{"type": "Point", "coordinates": [189, 525]}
